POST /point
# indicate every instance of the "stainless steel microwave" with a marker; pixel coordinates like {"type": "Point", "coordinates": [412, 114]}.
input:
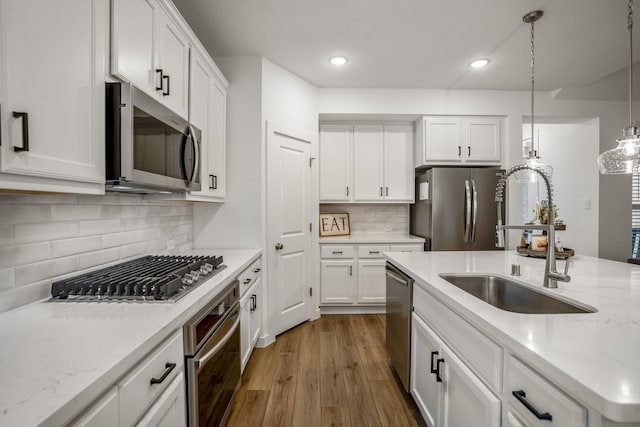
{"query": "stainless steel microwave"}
{"type": "Point", "coordinates": [149, 149]}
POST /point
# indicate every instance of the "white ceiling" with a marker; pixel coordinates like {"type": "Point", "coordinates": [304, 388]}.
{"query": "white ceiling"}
{"type": "Point", "coordinates": [427, 43]}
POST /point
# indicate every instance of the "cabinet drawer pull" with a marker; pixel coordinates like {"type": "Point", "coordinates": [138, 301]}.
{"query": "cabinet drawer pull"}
{"type": "Point", "coordinates": [25, 130]}
{"type": "Point", "coordinates": [522, 397]}
{"type": "Point", "coordinates": [257, 270]}
{"type": "Point", "coordinates": [433, 353]}
{"type": "Point", "coordinates": [159, 74]}
{"type": "Point", "coordinates": [246, 281]}
{"type": "Point", "coordinates": [168, 368]}
{"type": "Point", "coordinates": [438, 362]}
{"type": "Point", "coordinates": [374, 252]}
{"type": "Point", "coordinates": [337, 252]}
{"type": "Point", "coordinates": [168, 91]}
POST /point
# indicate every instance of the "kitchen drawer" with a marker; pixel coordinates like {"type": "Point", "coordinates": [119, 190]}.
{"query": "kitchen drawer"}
{"type": "Point", "coordinates": [136, 393]}
{"type": "Point", "coordinates": [372, 251]}
{"type": "Point", "coordinates": [412, 247]}
{"type": "Point", "coordinates": [543, 397]}
{"type": "Point", "coordinates": [336, 251]}
{"type": "Point", "coordinates": [482, 355]}
{"type": "Point", "coordinates": [249, 275]}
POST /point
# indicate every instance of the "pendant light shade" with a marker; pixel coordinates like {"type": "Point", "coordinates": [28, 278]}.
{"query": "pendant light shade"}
{"type": "Point", "coordinates": [625, 157]}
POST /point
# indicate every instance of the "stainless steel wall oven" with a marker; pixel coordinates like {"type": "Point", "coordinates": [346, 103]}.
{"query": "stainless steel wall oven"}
{"type": "Point", "coordinates": [212, 352]}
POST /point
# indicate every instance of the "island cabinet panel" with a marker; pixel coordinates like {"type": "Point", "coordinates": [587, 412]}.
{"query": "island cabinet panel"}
{"type": "Point", "coordinates": [336, 282]}
{"type": "Point", "coordinates": [102, 413]}
{"type": "Point", "coordinates": [526, 387]}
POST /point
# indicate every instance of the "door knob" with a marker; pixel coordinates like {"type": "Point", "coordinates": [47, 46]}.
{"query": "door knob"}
{"type": "Point", "coordinates": [279, 246]}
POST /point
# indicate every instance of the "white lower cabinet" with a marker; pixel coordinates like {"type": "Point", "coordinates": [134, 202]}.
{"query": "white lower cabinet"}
{"type": "Point", "coordinates": [444, 388]}
{"type": "Point", "coordinates": [152, 394]}
{"type": "Point", "coordinates": [353, 275]}
{"type": "Point", "coordinates": [170, 409]}
{"type": "Point", "coordinates": [250, 309]}
{"type": "Point", "coordinates": [336, 281]}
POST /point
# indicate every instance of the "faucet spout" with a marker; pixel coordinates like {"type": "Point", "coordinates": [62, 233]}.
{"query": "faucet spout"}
{"type": "Point", "coordinates": [551, 275]}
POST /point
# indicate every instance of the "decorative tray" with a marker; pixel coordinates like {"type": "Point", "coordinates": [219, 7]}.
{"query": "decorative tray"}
{"type": "Point", "coordinates": [566, 253]}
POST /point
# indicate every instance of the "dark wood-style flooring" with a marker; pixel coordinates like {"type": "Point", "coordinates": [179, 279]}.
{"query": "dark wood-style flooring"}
{"type": "Point", "coordinates": [330, 372]}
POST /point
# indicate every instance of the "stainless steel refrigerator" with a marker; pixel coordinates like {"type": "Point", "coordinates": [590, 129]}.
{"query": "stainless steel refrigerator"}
{"type": "Point", "coordinates": [455, 208]}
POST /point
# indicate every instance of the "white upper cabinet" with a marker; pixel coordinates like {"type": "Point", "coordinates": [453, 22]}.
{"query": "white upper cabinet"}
{"type": "Point", "coordinates": [150, 50]}
{"type": "Point", "coordinates": [368, 177]}
{"type": "Point", "coordinates": [207, 111]}
{"type": "Point", "coordinates": [398, 163]}
{"type": "Point", "coordinates": [52, 91]}
{"type": "Point", "coordinates": [442, 140]}
{"type": "Point", "coordinates": [366, 163]}
{"type": "Point", "coordinates": [335, 163]}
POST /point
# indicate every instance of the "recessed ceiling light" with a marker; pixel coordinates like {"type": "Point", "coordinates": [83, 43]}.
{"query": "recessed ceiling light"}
{"type": "Point", "coordinates": [479, 63]}
{"type": "Point", "coordinates": [338, 60]}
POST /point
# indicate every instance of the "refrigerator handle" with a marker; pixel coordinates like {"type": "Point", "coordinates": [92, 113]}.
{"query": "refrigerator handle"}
{"type": "Point", "coordinates": [467, 217]}
{"type": "Point", "coordinates": [475, 211]}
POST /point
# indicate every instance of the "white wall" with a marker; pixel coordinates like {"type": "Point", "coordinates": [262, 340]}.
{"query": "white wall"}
{"type": "Point", "coordinates": [614, 191]}
{"type": "Point", "coordinates": [572, 150]}
{"type": "Point", "coordinates": [237, 223]}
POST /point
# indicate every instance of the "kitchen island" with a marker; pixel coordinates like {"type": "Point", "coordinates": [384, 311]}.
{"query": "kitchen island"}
{"type": "Point", "coordinates": [57, 358]}
{"type": "Point", "coordinates": [592, 358]}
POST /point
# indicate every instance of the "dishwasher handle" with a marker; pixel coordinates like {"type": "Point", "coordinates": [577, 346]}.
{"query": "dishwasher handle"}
{"type": "Point", "coordinates": [397, 276]}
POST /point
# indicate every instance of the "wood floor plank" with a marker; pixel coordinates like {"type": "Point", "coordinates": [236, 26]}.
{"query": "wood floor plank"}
{"type": "Point", "coordinates": [261, 368]}
{"type": "Point", "coordinates": [336, 417]}
{"type": "Point", "coordinates": [289, 341]}
{"type": "Point", "coordinates": [361, 404]}
{"type": "Point", "coordinates": [332, 386]}
{"type": "Point", "coordinates": [306, 408]}
{"type": "Point", "coordinates": [309, 359]}
{"type": "Point", "coordinates": [249, 408]}
{"type": "Point", "coordinates": [281, 399]}
{"type": "Point", "coordinates": [392, 410]}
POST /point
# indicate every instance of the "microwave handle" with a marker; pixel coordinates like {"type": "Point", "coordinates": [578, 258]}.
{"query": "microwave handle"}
{"type": "Point", "coordinates": [196, 163]}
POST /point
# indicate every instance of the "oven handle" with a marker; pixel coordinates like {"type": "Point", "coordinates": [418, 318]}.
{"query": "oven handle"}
{"type": "Point", "coordinates": [204, 359]}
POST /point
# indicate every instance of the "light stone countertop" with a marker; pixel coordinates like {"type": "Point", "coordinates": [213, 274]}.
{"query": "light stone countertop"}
{"type": "Point", "coordinates": [56, 358]}
{"type": "Point", "coordinates": [593, 357]}
{"type": "Point", "coordinates": [382, 238]}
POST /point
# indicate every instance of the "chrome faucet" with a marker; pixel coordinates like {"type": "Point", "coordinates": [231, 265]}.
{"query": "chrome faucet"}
{"type": "Point", "coordinates": [551, 276]}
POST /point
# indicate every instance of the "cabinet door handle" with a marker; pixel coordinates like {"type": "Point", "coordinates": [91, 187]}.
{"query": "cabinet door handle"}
{"type": "Point", "coordinates": [168, 91]}
{"type": "Point", "coordinates": [159, 80]}
{"type": "Point", "coordinates": [522, 398]}
{"type": "Point", "coordinates": [438, 377]}
{"type": "Point", "coordinates": [380, 191]}
{"type": "Point", "coordinates": [459, 151]}
{"type": "Point", "coordinates": [347, 191]}
{"type": "Point", "coordinates": [350, 270]}
{"type": "Point", "coordinates": [468, 150]}
{"type": "Point", "coordinates": [25, 130]}
{"type": "Point", "coordinates": [168, 368]}
{"type": "Point", "coordinates": [387, 189]}
{"type": "Point", "coordinates": [253, 303]}
{"type": "Point", "coordinates": [433, 354]}
{"type": "Point", "coordinates": [215, 182]}
{"type": "Point", "coordinates": [211, 182]}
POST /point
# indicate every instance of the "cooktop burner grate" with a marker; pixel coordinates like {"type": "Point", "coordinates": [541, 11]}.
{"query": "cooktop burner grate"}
{"type": "Point", "coordinates": [149, 278]}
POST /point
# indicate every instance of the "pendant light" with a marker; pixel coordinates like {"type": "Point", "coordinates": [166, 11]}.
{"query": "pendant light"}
{"type": "Point", "coordinates": [532, 159]}
{"type": "Point", "coordinates": [624, 158]}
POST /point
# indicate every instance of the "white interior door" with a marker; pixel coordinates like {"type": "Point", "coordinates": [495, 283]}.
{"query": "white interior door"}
{"type": "Point", "coordinates": [288, 218]}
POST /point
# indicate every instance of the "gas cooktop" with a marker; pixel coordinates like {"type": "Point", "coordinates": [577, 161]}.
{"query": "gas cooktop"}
{"type": "Point", "coordinates": [149, 278]}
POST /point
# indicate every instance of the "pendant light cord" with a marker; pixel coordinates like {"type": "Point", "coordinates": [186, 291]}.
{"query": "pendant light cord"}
{"type": "Point", "coordinates": [533, 64]}
{"type": "Point", "coordinates": [630, 28]}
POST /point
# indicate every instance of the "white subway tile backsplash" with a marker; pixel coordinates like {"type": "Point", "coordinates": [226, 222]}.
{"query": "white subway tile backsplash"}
{"type": "Point", "coordinates": [88, 228]}
{"type": "Point", "coordinates": [91, 259]}
{"type": "Point", "coordinates": [26, 233]}
{"type": "Point", "coordinates": [24, 214]}
{"type": "Point", "coordinates": [45, 270]}
{"type": "Point", "coordinates": [372, 218]}
{"type": "Point", "coordinates": [44, 238]}
{"type": "Point", "coordinates": [66, 247]}
{"type": "Point", "coordinates": [72, 212]}
{"type": "Point", "coordinates": [11, 256]}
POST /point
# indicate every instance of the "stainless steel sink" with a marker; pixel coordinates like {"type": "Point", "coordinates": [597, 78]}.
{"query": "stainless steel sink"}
{"type": "Point", "coordinates": [510, 295]}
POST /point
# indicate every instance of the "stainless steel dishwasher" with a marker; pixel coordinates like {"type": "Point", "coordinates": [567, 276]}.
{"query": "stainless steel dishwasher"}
{"type": "Point", "coordinates": [399, 301]}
